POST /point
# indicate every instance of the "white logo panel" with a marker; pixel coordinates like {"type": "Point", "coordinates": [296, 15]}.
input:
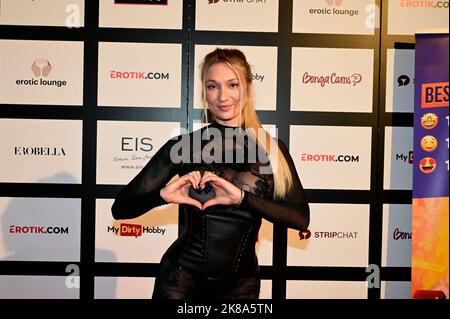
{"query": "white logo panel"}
{"type": "Point", "coordinates": [143, 239]}
{"type": "Point", "coordinates": [317, 289]}
{"type": "Point", "coordinates": [62, 13]}
{"type": "Point", "coordinates": [334, 17]}
{"type": "Point", "coordinates": [332, 157]}
{"type": "Point", "coordinates": [151, 16]}
{"type": "Point", "coordinates": [40, 151]}
{"type": "Point", "coordinates": [400, 74]}
{"type": "Point", "coordinates": [331, 239]}
{"type": "Point", "coordinates": [397, 235]}
{"type": "Point", "coordinates": [225, 15]}
{"type": "Point", "coordinates": [406, 17]}
{"type": "Point", "coordinates": [264, 245]}
{"type": "Point", "coordinates": [119, 287]}
{"type": "Point", "coordinates": [41, 72]}
{"type": "Point", "coordinates": [323, 80]}
{"type": "Point", "coordinates": [395, 290]}
{"type": "Point", "coordinates": [263, 61]}
{"type": "Point", "coordinates": [398, 158]}
{"type": "Point", "coordinates": [40, 229]}
{"type": "Point", "coordinates": [124, 148]}
{"type": "Point", "coordinates": [36, 287]}
{"type": "Point", "coordinates": [139, 74]}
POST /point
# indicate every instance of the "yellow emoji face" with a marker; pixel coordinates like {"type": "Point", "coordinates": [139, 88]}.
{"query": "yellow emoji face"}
{"type": "Point", "coordinates": [429, 143]}
{"type": "Point", "coordinates": [429, 121]}
{"type": "Point", "coordinates": [427, 165]}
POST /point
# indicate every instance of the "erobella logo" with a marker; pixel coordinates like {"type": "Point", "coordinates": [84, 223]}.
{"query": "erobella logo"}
{"type": "Point", "coordinates": [134, 230]}
{"type": "Point", "coordinates": [39, 151]}
{"type": "Point", "coordinates": [41, 68]}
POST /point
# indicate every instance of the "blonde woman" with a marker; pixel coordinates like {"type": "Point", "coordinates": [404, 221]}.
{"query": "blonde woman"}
{"type": "Point", "coordinates": [232, 174]}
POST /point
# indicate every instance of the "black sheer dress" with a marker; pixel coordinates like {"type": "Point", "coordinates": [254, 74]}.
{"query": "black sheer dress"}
{"type": "Point", "coordinates": [215, 255]}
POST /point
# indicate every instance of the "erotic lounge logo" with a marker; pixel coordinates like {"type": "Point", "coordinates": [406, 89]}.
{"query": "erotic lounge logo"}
{"type": "Point", "coordinates": [336, 3]}
{"type": "Point", "coordinates": [41, 67]}
{"type": "Point", "coordinates": [212, 1]}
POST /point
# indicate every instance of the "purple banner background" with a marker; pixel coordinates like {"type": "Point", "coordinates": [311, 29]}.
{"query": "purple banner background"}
{"type": "Point", "coordinates": [432, 66]}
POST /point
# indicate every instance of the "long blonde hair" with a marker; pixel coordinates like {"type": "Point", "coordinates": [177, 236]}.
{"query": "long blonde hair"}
{"type": "Point", "coordinates": [237, 62]}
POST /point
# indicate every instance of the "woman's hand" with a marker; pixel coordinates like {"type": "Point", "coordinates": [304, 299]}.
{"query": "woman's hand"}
{"type": "Point", "coordinates": [177, 192]}
{"type": "Point", "coordinates": [226, 192]}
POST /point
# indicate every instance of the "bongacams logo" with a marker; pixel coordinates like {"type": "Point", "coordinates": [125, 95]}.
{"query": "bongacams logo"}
{"type": "Point", "coordinates": [41, 68]}
{"type": "Point", "coordinates": [134, 230]}
{"type": "Point", "coordinates": [332, 79]}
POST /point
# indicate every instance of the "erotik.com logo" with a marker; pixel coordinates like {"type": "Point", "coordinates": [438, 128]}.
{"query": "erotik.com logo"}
{"type": "Point", "coordinates": [405, 158]}
{"type": "Point", "coordinates": [329, 158]}
{"type": "Point", "coordinates": [398, 234]}
{"type": "Point", "coordinates": [138, 75]}
{"type": "Point", "coordinates": [134, 230]}
{"type": "Point", "coordinates": [41, 68]}
{"type": "Point", "coordinates": [332, 79]}
{"type": "Point", "coordinates": [424, 4]}
{"type": "Point", "coordinates": [38, 230]}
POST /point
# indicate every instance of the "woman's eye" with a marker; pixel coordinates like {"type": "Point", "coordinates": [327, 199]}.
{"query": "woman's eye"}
{"type": "Point", "coordinates": [234, 85]}
{"type": "Point", "coordinates": [210, 87]}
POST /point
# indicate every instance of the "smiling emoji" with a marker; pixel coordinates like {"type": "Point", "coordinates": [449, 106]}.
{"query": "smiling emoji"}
{"type": "Point", "coordinates": [429, 121]}
{"type": "Point", "coordinates": [427, 165]}
{"type": "Point", "coordinates": [429, 143]}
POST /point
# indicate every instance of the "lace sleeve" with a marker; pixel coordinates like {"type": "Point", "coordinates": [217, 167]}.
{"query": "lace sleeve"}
{"type": "Point", "coordinates": [292, 211]}
{"type": "Point", "coordinates": [142, 193]}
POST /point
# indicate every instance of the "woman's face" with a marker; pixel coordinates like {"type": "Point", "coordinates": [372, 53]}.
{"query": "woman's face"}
{"type": "Point", "coordinates": [223, 94]}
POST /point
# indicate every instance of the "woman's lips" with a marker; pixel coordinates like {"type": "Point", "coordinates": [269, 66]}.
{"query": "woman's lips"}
{"type": "Point", "coordinates": [224, 107]}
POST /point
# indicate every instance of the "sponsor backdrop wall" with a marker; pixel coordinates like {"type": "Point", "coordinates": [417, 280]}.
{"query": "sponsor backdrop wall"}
{"type": "Point", "coordinates": [89, 91]}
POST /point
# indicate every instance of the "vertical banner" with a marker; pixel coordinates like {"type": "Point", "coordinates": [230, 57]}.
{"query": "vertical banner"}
{"type": "Point", "coordinates": [430, 224]}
